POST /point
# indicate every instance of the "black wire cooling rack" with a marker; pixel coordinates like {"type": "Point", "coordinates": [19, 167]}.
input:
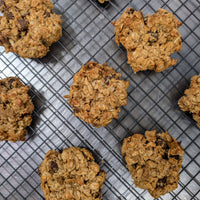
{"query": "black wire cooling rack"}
{"type": "Point", "coordinates": [152, 100]}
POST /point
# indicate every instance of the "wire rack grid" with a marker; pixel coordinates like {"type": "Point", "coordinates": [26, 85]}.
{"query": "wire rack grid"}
{"type": "Point", "coordinates": [152, 100]}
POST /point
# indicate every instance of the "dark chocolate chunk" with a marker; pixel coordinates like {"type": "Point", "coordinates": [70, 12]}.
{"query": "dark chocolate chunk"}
{"type": "Point", "coordinates": [46, 14]}
{"type": "Point", "coordinates": [161, 182]}
{"type": "Point", "coordinates": [161, 142]}
{"type": "Point", "coordinates": [9, 15]}
{"type": "Point", "coordinates": [53, 167]}
{"type": "Point", "coordinates": [165, 156]}
{"type": "Point", "coordinates": [23, 24]}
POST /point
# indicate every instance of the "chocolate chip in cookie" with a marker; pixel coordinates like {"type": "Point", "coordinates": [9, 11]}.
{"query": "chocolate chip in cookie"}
{"type": "Point", "coordinates": [23, 24]}
{"type": "Point", "coordinates": [190, 101]}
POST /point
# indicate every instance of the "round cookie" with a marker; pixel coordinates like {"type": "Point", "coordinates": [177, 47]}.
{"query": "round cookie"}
{"type": "Point", "coordinates": [72, 174]}
{"type": "Point", "coordinates": [191, 101]}
{"type": "Point", "coordinates": [97, 94]}
{"type": "Point", "coordinates": [149, 40]}
{"type": "Point", "coordinates": [154, 161]}
{"type": "Point", "coordinates": [29, 27]}
{"type": "Point", "coordinates": [16, 109]}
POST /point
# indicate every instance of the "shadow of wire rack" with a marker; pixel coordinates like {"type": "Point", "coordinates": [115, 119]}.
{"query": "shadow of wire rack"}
{"type": "Point", "coordinates": [152, 100]}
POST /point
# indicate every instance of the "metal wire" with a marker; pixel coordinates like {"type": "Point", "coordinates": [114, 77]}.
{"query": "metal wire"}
{"type": "Point", "coordinates": [152, 100]}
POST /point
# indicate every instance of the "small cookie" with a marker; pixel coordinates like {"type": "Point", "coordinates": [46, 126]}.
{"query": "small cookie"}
{"type": "Point", "coordinates": [191, 101]}
{"type": "Point", "coordinates": [16, 109]}
{"type": "Point", "coordinates": [97, 94]}
{"type": "Point", "coordinates": [72, 174]}
{"type": "Point", "coordinates": [154, 160]}
{"type": "Point", "coordinates": [29, 27]}
{"type": "Point", "coordinates": [149, 40]}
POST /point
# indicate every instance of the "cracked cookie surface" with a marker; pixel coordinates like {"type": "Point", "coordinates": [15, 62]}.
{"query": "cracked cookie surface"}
{"type": "Point", "coordinates": [29, 27]}
{"type": "Point", "coordinates": [16, 109]}
{"type": "Point", "coordinates": [72, 174]}
{"type": "Point", "coordinates": [154, 161]}
{"type": "Point", "coordinates": [191, 100]}
{"type": "Point", "coordinates": [149, 40]}
{"type": "Point", "coordinates": [97, 94]}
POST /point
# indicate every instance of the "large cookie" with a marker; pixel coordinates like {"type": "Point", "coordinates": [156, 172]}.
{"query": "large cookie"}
{"type": "Point", "coordinates": [191, 101]}
{"type": "Point", "coordinates": [16, 109]}
{"type": "Point", "coordinates": [149, 40]}
{"type": "Point", "coordinates": [29, 27]}
{"type": "Point", "coordinates": [154, 160]}
{"type": "Point", "coordinates": [97, 94]}
{"type": "Point", "coordinates": [72, 174]}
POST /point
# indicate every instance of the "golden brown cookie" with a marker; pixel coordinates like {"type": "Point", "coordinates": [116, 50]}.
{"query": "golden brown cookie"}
{"type": "Point", "coordinates": [149, 40]}
{"type": "Point", "coordinates": [71, 175]}
{"type": "Point", "coordinates": [29, 27]}
{"type": "Point", "coordinates": [154, 160]}
{"type": "Point", "coordinates": [16, 109]}
{"type": "Point", "coordinates": [191, 101]}
{"type": "Point", "coordinates": [97, 94]}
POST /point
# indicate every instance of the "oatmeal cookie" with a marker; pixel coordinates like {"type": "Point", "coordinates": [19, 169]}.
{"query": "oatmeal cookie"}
{"type": "Point", "coordinates": [154, 161]}
{"type": "Point", "coordinates": [28, 27]}
{"type": "Point", "coordinates": [191, 101]}
{"type": "Point", "coordinates": [97, 94]}
{"type": "Point", "coordinates": [149, 40]}
{"type": "Point", "coordinates": [72, 174]}
{"type": "Point", "coordinates": [16, 109]}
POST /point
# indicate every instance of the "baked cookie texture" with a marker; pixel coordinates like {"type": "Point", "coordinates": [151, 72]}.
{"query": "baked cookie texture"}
{"type": "Point", "coordinates": [16, 109]}
{"type": "Point", "coordinates": [154, 160]}
{"type": "Point", "coordinates": [72, 174]}
{"type": "Point", "coordinates": [97, 94]}
{"type": "Point", "coordinates": [149, 40]}
{"type": "Point", "coordinates": [191, 100]}
{"type": "Point", "coordinates": [29, 27]}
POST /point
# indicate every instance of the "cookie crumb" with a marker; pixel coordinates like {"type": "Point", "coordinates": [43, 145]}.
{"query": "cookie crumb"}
{"type": "Point", "coordinates": [191, 100]}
